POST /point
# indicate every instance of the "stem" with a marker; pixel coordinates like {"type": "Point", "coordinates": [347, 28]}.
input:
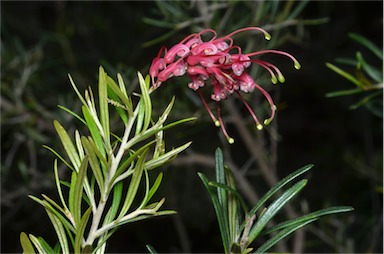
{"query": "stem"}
{"type": "Point", "coordinates": [115, 162]}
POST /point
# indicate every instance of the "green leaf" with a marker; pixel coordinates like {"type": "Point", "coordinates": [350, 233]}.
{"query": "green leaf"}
{"type": "Point", "coordinates": [53, 203]}
{"type": "Point", "coordinates": [76, 90]}
{"type": "Point", "coordinates": [281, 235]}
{"type": "Point", "coordinates": [45, 245]}
{"type": "Point", "coordinates": [220, 176]}
{"type": "Point", "coordinates": [151, 249]}
{"type": "Point", "coordinates": [122, 96]}
{"type": "Point", "coordinates": [78, 192]}
{"type": "Point", "coordinates": [58, 187]}
{"type": "Point", "coordinates": [103, 101]}
{"type": "Point", "coordinates": [310, 216]}
{"type": "Point", "coordinates": [145, 198]}
{"type": "Point", "coordinates": [59, 229]}
{"type": "Point", "coordinates": [68, 145]}
{"type": "Point", "coordinates": [232, 191]}
{"type": "Point", "coordinates": [299, 8]}
{"type": "Point", "coordinates": [79, 146]}
{"type": "Point", "coordinates": [36, 242]}
{"type": "Point", "coordinates": [94, 163]}
{"type": "Point", "coordinates": [133, 185]}
{"type": "Point", "coordinates": [26, 244]}
{"type": "Point", "coordinates": [374, 73]}
{"type": "Point", "coordinates": [345, 75]}
{"type": "Point", "coordinates": [155, 186]}
{"type": "Point", "coordinates": [140, 117]}
{"type": "Point", "coordinates": [345, 92]}
{"type": "Point", "coordinates": [274, 208]}
{"type": "Point", "coordinates": [165, 158]}
{"type": "Point", "coordinates": [60, 157]}
{"type": "Point", "coordinates": [365, 100]}
{"type": "Point", "coordinates": [121, 109]}
{"type": "Point", "coordinates": [80, 230]}
{"type": "Point", "coordinates": [278, 186]}
{"type": "Point", "coordinates": [147, 101]}
{"type": "Point", "coordinates": [368, 44]}
{"type": "Point", "coordinates": [127, 162]}
{"type": "Point", "coordinates": [46, 205]}
{"type": "Point", "coordinates": [117, 195]}
{"type": "Point", "coordinates": [219, 209]}
{"type": "Point", "coordinates": [71, 196]}
{"type": "Point", "coordinates": [72, 113]}
{"type": "Point", "coordinates": [95, 133]}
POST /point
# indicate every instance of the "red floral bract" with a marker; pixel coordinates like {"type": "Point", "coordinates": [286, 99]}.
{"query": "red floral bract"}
{"type": "Point", "coordinates": [220, 63]}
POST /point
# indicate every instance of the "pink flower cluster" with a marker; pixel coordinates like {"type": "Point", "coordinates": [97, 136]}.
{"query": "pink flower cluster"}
{"type": "Point", "coordinates": [221, 63]}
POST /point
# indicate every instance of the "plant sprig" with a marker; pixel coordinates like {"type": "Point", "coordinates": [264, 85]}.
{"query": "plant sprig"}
{"type": "Point", "coordinates": [239, 226]}
{"type": "Point", "coordinates": [101, 163]}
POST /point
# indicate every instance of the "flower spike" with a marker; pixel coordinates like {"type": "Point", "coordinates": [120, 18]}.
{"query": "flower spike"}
{"type": "Point", "coordinates": [220, 63]}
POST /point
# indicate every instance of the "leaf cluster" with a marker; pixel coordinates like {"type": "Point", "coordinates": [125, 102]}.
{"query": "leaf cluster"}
{"type": "Point", "coordinates": [368, 79]}
{"type": "Point", "coordinates": [240, 226]}
{"type": "Point", "coordinates": [106, 169]}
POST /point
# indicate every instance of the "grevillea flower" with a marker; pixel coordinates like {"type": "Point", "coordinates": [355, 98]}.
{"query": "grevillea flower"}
{"type": "Point", "coordinates": [220, 63]}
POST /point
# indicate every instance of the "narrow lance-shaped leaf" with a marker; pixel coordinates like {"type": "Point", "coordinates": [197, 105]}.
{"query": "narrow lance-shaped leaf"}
{"type": "Point", "coordinates": [133, 185]}
{"type": "Point", "coordinates": [72, 113]}
{"type": "Point", "coordinates": [71, 196]}
{"type": "Point", "coordinates": [68, 145]}
{"type": "Point", "coordinates": [374, 73]}
{"type": "Point", "coordinates": [81, 229]}
{"type": "Point", "coordinates": [222, 220]}
{"type": "Point", "coordinates": [345, 75]}
{"type": "Point", "coordinates": [155, 186]}
{"type": "Point", "coordinates": [310, 216]}
{"type": "Point", "coordinates": [104, 113]}
{"type": "Point", "coordinates": [78, 192]}
{"type": "Point", "coordinates": [26, 244]}
{"type": "Point", "coordinates": [123, 97]}
{"type": "Point", "coordinates": [280, 185]}
{"type": "Point", "coordinates": [95, 133]}
{"type": "Point", "coordinates": [367, 43]}
{"type": "Point", "coordinates": [46, 246]}
{"type": "Point", "coordinates": [59, 229]}
{"type": "Point", "coordinates": [161, 160]}
{"type": "Point", "coordinates": [220, 176]}
{"type": "Point", "coordinates": [94, 163]}
{"type": "Point", "coordinates": [281, 235]}
{"type": "Point", "coordinates": [37, 244]}
{"type": "Point", "coordinates": [122, 110]}
{"type": "Point", "coordinates": [60, 157]}
{"type": "Point", "coordinates": [128, 162]}
{"type": "Point", "coordinates": [117, 195]}
{"type": "Point", "coordinates": [58, 187]}
{"type": "Point", "coordinates": [140, 117]}
{"type": "Point", "coordinates": [274, 208]}
{"type": "Point", "coordinates": [147, 101]}
{"type": "Point", "coordinates": [68, 226]}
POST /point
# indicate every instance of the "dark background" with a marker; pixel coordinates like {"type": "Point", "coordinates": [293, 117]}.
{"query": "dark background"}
{"type": "Point", "coordinates": [43, 41]}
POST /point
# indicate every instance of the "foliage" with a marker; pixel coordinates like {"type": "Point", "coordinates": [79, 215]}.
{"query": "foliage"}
{"type": "Point", "coordinates": [101, 163]}
{"type": "Point", "coordinates": [240, 226]}
{"type": "Point", "coordinates": [368, 79]}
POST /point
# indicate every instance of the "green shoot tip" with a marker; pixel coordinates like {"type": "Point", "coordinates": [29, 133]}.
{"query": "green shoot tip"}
{"type": "Point", "coordinates": [259, 127]}
{"type": "Point", "coordinates": [274, 80]}
{"type": "Point", "coordinates": [217, 123]}
{"type": "Point", "coordinates": [230, 140]}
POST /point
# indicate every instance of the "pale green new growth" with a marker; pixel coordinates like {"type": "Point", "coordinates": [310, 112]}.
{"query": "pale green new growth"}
{"type": "Point", "coordinates": [101, 164]}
